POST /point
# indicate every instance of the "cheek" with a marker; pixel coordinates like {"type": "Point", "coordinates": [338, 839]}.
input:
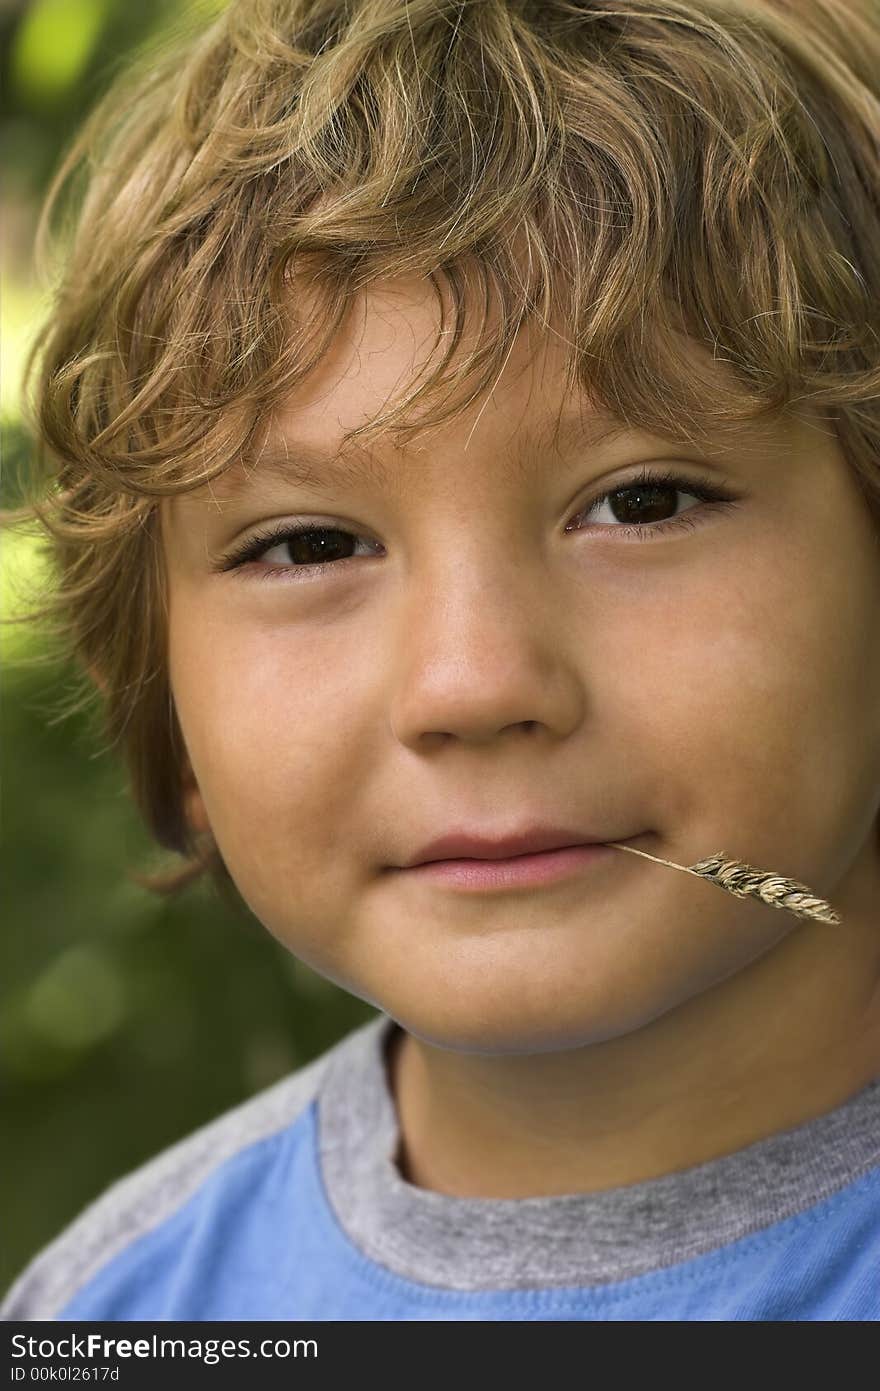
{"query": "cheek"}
{"type": "Point", "coordinates": [763, 688]}
{"type": "Point", "coordinates": [271, 731]}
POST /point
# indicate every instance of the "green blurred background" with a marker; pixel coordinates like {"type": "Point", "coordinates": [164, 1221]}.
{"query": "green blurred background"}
{"type": "Point", "coordinates": [127, 1021]}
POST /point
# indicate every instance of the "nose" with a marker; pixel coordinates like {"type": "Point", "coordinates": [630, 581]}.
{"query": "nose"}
{"type": "Point", "coordinates": [484, 646]}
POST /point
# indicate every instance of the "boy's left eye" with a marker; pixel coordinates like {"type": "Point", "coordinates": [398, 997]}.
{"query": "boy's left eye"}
{"type": "Point", "coordinates": [318, 546]}
{"type": "Point", "coordinates": [650, 495]}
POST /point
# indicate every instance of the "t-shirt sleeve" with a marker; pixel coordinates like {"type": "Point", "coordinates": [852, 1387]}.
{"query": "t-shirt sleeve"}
{"type": "Point", "coordinates": [147, 1199]}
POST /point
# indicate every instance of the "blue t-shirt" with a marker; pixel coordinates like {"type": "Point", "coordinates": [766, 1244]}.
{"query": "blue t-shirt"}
{"type": "Point", "coordinates": [292, 1206]}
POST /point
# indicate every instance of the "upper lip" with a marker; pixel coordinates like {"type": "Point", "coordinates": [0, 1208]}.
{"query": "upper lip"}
{"type": "Point", "coordinates": [472, 846]}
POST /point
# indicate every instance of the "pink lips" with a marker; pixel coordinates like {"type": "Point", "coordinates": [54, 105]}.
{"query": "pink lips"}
{"type": "Point", "coordinates": [514, 871]}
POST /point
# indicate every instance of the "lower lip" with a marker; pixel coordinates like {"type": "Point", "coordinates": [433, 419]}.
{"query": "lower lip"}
{"type": "Point", "coordinates": [515, 871]}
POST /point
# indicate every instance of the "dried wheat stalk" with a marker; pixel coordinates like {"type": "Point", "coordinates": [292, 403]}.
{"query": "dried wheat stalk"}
{"type": "Point", "coordinates": [747, 882]}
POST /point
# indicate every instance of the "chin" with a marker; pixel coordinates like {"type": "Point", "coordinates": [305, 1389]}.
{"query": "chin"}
{"type": "Point", "coordinates": [509, 993]}
{"type": "Point", "coordinates": [466, 1026]}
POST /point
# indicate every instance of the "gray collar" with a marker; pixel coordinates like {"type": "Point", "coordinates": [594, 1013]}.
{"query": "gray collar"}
{"type": "Point", "coordinates": [571, 1239]}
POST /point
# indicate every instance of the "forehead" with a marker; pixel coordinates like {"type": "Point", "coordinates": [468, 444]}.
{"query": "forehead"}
{"type": "Point", "coordinates": [392, 339]}
{"type": "Point", "coordinates": [387, 342]}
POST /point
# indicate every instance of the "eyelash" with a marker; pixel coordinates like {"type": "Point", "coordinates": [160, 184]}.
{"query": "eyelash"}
{"type": "Point", "coordinates": [714, 498]}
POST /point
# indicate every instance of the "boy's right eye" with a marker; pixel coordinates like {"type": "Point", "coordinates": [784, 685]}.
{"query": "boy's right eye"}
{"type": "Point", "coordinates": [307, 546]}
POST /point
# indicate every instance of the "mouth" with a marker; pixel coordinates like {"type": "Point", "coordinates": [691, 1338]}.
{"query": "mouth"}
{"type": "Point", "coordinates": [515, 871]}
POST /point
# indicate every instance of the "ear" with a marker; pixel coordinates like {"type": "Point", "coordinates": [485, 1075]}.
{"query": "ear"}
{"type": "Point", "coordinates": [193, 802]}
{"type": "Point", "coordinates": [99, 679]}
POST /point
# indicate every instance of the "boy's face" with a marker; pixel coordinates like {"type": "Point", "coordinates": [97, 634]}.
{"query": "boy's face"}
{"type": "Point", "coordinates": [489, 657]}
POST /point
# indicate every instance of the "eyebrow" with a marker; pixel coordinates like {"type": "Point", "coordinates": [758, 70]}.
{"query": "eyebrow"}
{"type": "Point", "coordinates": [288, 461]}
{"type": "Point", "coordinates": [295, 462]}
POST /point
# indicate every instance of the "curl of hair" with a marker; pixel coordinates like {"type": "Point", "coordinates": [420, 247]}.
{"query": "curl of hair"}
{"type": "Point", "coordinates": [641, 171]}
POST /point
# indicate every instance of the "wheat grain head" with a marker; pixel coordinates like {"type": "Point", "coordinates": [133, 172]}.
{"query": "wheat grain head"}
{"type": "Point", "coordinates": [744, 881]}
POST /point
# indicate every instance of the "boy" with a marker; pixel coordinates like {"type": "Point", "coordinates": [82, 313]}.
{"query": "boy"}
{"type": "Point", "coordinates": [377, 667]}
